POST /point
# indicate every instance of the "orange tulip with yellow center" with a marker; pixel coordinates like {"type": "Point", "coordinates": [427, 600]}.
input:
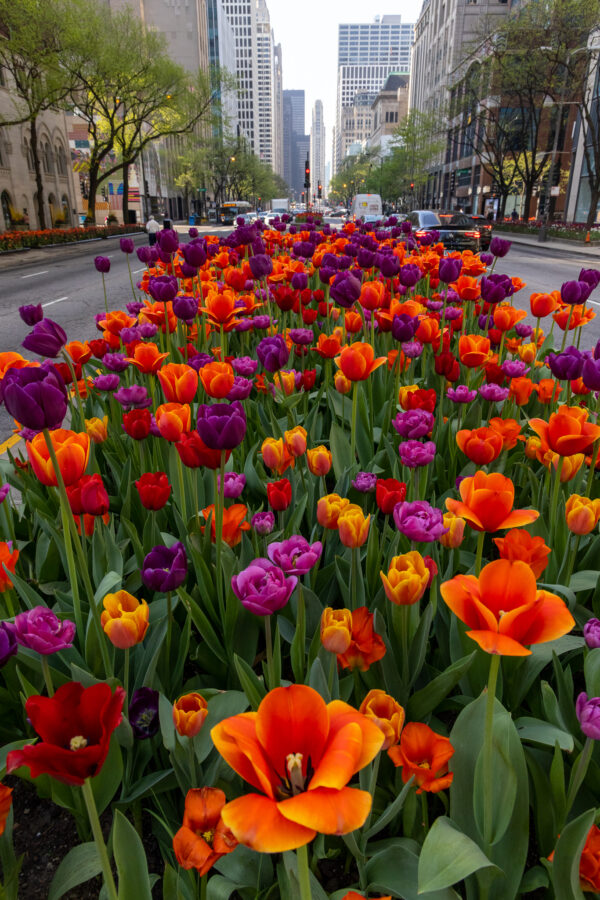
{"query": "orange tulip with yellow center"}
{"type": "Point", "coordinates": [125, 619]}
{"type": "Point", "coordinates": [97, 429]}
{"type": "Point", "coordinates": [353, 526]}
{"type": "Point", "coordinates": [203, 837]}
{"type": "Point", "coordinates": [473, 350]}
{"type": "Point", "coordinates": [189, 713]}
{"type": "Point", "coordinates": [582, 514]}
{"type": "Point", "coordinates": [487, 503]}
{"type": "Point", "coordinates": [178, 382]}
{"type": "Point", "coordinates": [173, 420]}
{"type": "Point", "coordinates": [336, 629]}
{"type": "Point", "coordinates": [72, 451]}
{"type": "Point", "coordinates": [147, 358]}
{"type": "Point", "coordinates": [217, 379]}
{"type": "Point", "coordinates": [276, 455]}
{"type": "Point", "coordinates": [329, 510]}
{"type": "Point", "coordinates": [386, 713]}
{"type": "Point", "coordinates": [424, 755]}
{"type": "Point", "coordinates": [357, 361]}
{"type": "Point", "coordinates": [567, 431]}
{"type": "Point", "coordinates": [299, 753]}
{"type": "Point", "coordinates": [295, 440]}
{"type": "Point", "coordinates": [319, 460]}
{"type": "Point", "coordinates": [504, 609]}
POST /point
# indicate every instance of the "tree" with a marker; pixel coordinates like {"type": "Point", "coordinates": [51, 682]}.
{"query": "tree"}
{"type": "Point", "coordinates": [32, 34]}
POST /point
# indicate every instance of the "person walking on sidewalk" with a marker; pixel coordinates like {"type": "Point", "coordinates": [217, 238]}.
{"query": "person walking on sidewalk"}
{"type": "Point", "coordinates": [152, 226]}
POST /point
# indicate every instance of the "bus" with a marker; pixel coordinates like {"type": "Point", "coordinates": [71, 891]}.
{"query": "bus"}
{"type": "Point", "coordinates": [231, 210]}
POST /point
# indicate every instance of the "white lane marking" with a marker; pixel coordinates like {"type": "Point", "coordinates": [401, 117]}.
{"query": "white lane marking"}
{"type": "Point", "coordinates": [595, 302]}
{"type": "Point", "coordinates": [33, 274]}
{"type": "Point", "coordinates": [135, 271]}
{"type": "Point", "coordinates": [50, 302]}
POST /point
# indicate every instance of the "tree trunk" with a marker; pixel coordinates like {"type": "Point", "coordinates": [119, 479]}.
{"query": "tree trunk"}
{"type": "Point", "coordinates": [125, 193]}
{"type": "Point", "coordinates": [594, 198]}
{"type": "Point", "coordinates": [502, 207]}
{"type": "Point", "coordinates": [38, 173]}
{"type": "Point", "coordinates": [527, 207]}
{"type": "Point", "coordinates": [91, 211]}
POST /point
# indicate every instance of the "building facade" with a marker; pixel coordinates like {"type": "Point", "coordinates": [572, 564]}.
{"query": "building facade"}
{"type": "Point", "coordinates": [221, 56]}
{"type": "Point", "coordinates": [277, 110]}
{"type": "Point", "coordinates": [367, 54]}
{"type": "Point", "coordinates": [317, 147]}
{"type": "Point", "coordinates": [388, 110]}
{"type": "Point", "coordinates": [294, 141]}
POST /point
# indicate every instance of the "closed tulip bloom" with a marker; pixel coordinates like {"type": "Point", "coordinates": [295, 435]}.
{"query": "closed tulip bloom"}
{"type": "Point", "coordinates": [342, 384]}
{"type": "Point", "coordinates": [582, 514]}
{"type": "Point", "coordinates": [366, 646]}
{"type": "Point", "coordinates": [482, 445]}
{"type": "Point", "coordinates": [125, 619]}
{"type": "Point", "coordinates": [473, 350]}
{"type": "Point", "coordinates": [414, 423]}
{"type": "Point", "coordinates": [389, 492]}
{"type": "Point", "coordinates": [295, 555]}
{"type": "Point", "coordinates": [233, 523]}
{"type": "Point", "coordinates": [47, 338]}
{"type": "Point", "coordinates": [543, 304]}
{"type": "Point", "coordinates": [263, 522]}
{"type": "Point", "coordinates": [35, 396]}
{"type": "Point", "coordinates": [329, 509]}
{"type": "Point", "coordinates": [276, 455]}
{"type": "Point", "coordinates": [8, 558]}
{"type": "Point", "coordinates": [567, 431]}
{"type": "Point", "coordinates": [88, 496]}
{"type": "Point", "coordinates": [217, 379]}
{"type": "Point", "coordinates": [8, 643]}
{"type": "Point", "coordinates": [353, 526]}
{"type": "Point", "coordinates": [423, 755]}
{"type": "Point", "coordinates": [165, 568]}
{"type": "Point", "coordinates": [173, 420]}
{"type": "Point", "coordinates": [419, 521]}
{"type": "Point", "coordinates": [372, 295]}
{"type": "Point", "coordinates": [357, 361]}
{"type": "Point", "coordinates": [154, 490]}
{"type": "Point", "coordinates": [319, 460]}
{"type": "Point", "coordinates": [386, 713]}
{"type": "Point", "coordinates": [178, 382]}
{"type": "Point", "coordinates": [345, 290]}
{"type": "Point", "coordinates": [102, 264]}
{"type": "Point", "coordinates": [233, 484]}
{"type": "Point", "coordinates": [31, 313]}
{"type": "Point", "coordinates": [194, 453]}
{"type": "Point", "coordinates": [97, 429]}
{"type": "Point", "coordinates": [336, 629]}
{"type": "Point", "coordinates": [588, 713]}
{"type": "Point", "coordinates": [41, 630]}
{"type": "Point", "coordinates": [295, 440]}
{"type": "Point", "coordinates": [72, 451]}
{"type": "Point", "coordinates": [406, 580]}
{"type": "Point", "coordinates": [137, 423]}
{"type": "Point", "coordinates": [262, 587]}
{"type": "Point", "coordinates": [591, 633]}
{"type": "Point", "coordinates": [519, 544]}
{"type": "Point", "coordinates": [453, 538]}
{"type": "Point", "coordinates": [487, 503]}
{"type": "Point", "coordinates": [222, 426]}
{"type": "Point", "coordinates": [273, 353]}
{"type": "Point", "coordinates": [279, 494]}
{"type": "Point", "coordinates": [414, 454]}
{"type": "Point", "coordinates": [189, 713]}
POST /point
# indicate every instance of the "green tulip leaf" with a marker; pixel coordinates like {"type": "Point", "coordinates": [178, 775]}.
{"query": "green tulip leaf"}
{"type": "Point", "coordinates": [448, 856]}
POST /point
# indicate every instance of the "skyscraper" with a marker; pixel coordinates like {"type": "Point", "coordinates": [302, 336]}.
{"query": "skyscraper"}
{"type": "Point", "coordinates": [277, 110]}
{"type": "Point", "coordinates": [221, 54]}
{"type": "Point", "coordinates": [295, 142]}
{"type": "Point", "coordinates": [367, 54]}
{"type": "Point", "coordinates": [317, 147]}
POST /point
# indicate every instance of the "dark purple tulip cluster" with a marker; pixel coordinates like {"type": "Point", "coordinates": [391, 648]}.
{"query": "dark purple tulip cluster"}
{"type": "Point", "coordinates": [222, 426]}
{"type": "Point", "coordinates": [35, 396]}
{"type": "Point", "coordinates": [165, 568]}
{"type": "Point", "coordinates": [272, 352]}
{"type": "Point", "coordinates": [47, 338]}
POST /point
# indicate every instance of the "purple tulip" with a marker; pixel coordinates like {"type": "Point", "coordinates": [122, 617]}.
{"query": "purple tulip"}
{"type": "Point", "coordinates": [31, 314]}
{"type": "Point", "coordinates": [414, 454]}
{"type": "Point", "coordinates": [41, 630]}
{"type": "Point", "coordinates": [143, 713]}
{"type": "Point", "coordinates": [147, 329]}
{"type": "Point", "coordinates": [102, 264]}
{"type": "Point", "coordinates": [8, 643]}
{"type": "Point", "coordinates": [590, 374]}
{"type": "Point", "coordinates": [245, 234]}
{"type": "Point", "coordinates": [4, 492]}
{"type": "Point", "coordinates": [35, 396]}
{"type": "Point", "coordinates": [514, 368]}
{"type": "Point", "coordinates": [144, 254]}
{"type": "Point", "coordinates": [409, 275]}
{"type": "Point", "coordinates": [273, 352]}
{"type": "Point", "coordinates": [194, 254]}
{"type": "Point", "coordinates": [414, 423]}
{"type": "Point", "coordinates": [233, 486]}
{"type": "Point", "coordinates": [242, 388]}
{"type": "Point", "coordinates": [295, 555]}
{"type": "Point", "coordinates": [590, 276]}
{"type": "Point", "coordinates": [523, 330]}
{"type": "Point", "coordinates": [365, 482]}
{"type": "Point", "coordinates": [591, 629]}
{"type": "Point", "coordinates": [588, 713]}
{"type": "Point", "coordinates": [222, 426]}
{"type": "Point", "coordinates": [493, 289]}
{"type": "Point", "coordinates": [419, 521]}
{"type": "Point", "coordinates": [449, 269]}
{"type": "Point", "coordinates": [126, 245]}
{"type": "Point", "coordinates": [412, 350]}
{"type": "Point", "coordinates": [107, 382]}
{"type": "Point", "coordinates": [499, 247]}
{"type": "Point", "coordinates": [493, 392]}
{"type": "Point", "coordinates": [434, 305]}
{"type": "Point", "coordinates": [303, 248]}
{"type": "Point", "coordinates": [129, 335]}
{"type": "Point", "coordinates": [345, 290]}
{"type": "Point", "coordinates": [162, 288]}
{"type": "Point", "coordinates": [262, 588]}
{"type": "Point", "coordinates": [47, 338]}
{"type": "Point", "coordinates": [165, 568]}
{"type": "Point", "coordinates": [365, 258]}
{"type": "Point", "coordinates": [461, 394]}
{"type": "Point", "coordinates": [302, 336]}
{"type": "Point", "coordinates": [326, 273]}
{"type": "Point", "coordinates": [193, 233]}
{"type": "Point", "coordinates": [185, 307]}
{"type": "Point", "coordinates": [404, 327]}
{"type": "Point", "coordinates": [486, 258]}
{"type": "Point", "coordinates": [263, 522]}
{"type": "Point", "coordinates": [390, 265]}
{"type": "Point", "coordinates": [168, 240]}
{"type": "Point", "coordinates": [134, 397]}
{"type": "Point", "coordinates": [260, 266]}
{"type": "Point", "coordinates": [261, 323]}
{"type": "Point", "coordinates": [299, 281]}
{"type": "Point", "coordinates": [115, 362]}
{"type": "Point", "coordinates": [452, 313]}
{"type": "Point", "coordinates": [572, 292]}
{"type": "Point", "coordinates": [567, 365]}
{"type": "Point", "coordinates": [199, 360]}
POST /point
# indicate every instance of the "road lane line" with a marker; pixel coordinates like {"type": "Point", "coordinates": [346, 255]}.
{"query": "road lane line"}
{"type": "Point", "coordinates": [6, 445]}
{"type": "Point", "coordinates": [51, 302]}
{"type": "Point", "coordinates": [33, 274]}
{"type": "Point", "coordinates": [135, 271]}
{"type": "Point", "coordinates": [595, 302]}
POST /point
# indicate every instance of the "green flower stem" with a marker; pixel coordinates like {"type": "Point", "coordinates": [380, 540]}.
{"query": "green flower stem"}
{"type": "Point", "coordinates": [126, 672]}
{"type": "Point", "coordinates": [90, 803]}
{"type": "Point", "coordinates": [181, 487]}
{"type": "Point", "coordinates": [579, 774]}
{"type": "Point", "coordinates": [269, 649]}
{"type": "Point", "coordinates": [353, 422]}
{"type": "Point", "coordinates": [372, 789]}
{"type": "Point", "coordinates": [592, 469]}
{"type": "Point", "coordinates": [191, 753]}
{"type": "Point", "coordinates": [69, 363]}
{"type": "Point", "coordinates": [203, 887]}
{"type": "Point", "coordinates": [219, 502]}
{"type": "Point", "coordinates": [571, 563]}
{"type": "Point", "coordinates": [104, 289]}
{"type": "Point", "coordinates": [131, 278]}
{"type": "Point", "coordinates": [303, 873]}
{"type": "Point", "coordinates": [564, 340]}
{"type": "Point", "coordinates": [480, 540]}
{"type": "Point", "coordinates": [47, 676]}
{"type": "Point", "coordinates": [555, 489]}
{"type": "Point", "coordinates": [354, 577]}
{"type": "Point", "coordinates": [488, 784]}
{"type": "Point", "coordinates": [331, 676]}
{"type": "Point", "coordinates": [169, 625]}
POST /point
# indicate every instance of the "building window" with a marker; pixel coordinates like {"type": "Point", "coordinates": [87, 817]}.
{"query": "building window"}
{"type": "Point", "coordinates": [5, 202]}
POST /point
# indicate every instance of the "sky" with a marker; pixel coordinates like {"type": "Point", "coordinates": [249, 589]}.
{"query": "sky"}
{"type": "Point", "coordinates": [308, 33]}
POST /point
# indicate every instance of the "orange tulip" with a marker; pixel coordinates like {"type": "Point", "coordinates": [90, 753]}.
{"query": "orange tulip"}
{"type": "Point", "coordinates": [481, 445]}
{"type": "Point", "coordinates": [506, 317]}
{"type": "Point", "coordinates": [217, 379]}
{"type": "Point", "coordinates": [5, 804]}
{"type": "Point", "coordinates": [319, 460]}
{"type": "Point", "coordinates": [173, 420]}
{"type": "Point", "coordinates": [11, 360]}
{"type": "Point", "coordinates": [189, 713]}
{"type": "Point", "coordinates": [473, 350]}
{"type": "Point", "coordinates": [543, 304]}
{"type": "Point", "coordinates": [8, 558]}
{"type": "Point", "coordinates": [357, 361]}
{"type": "Point", "coordinates": [285, 381]}
{"type": "Point", "coordinates": [487, 503]}
{"type": "Point", "coordinates": [575, 316]}
{"type": "Point", "coordinates": [300, 754]}
{"type": "Point", "coordinates": [79, 352]}
{"type": "Point", "coordinates": [155, 313]}
{"type": "Point", "coordinates": [328, 347]}
{"type": "Point", "coordinates": [406, 580]}
{"type": "Point", "coordinates": [352, 321]}
{"type": "Point", "coordinates": [125, 619]}
{"type": "Point", "coordinates": [428, 331]}
{"type": "Point", "coordinates": [386, 713]}
{"type": "Point", "coordinates": [424, 754]}
{"type": "Point", "coordinates": [97, 429]}
{"type": "Point", "coordinates": [567, 431]}
{"type": "Point", "coordinates": [504, 609]}
{"type": "Point", "coordinates": [203, 838]}
{"type": "Point", "coordinates": [527, 352]}
{"type": "Point", "coordinates": [582, 514]}
{"type": "Point", "coordinates": [508, 429]}
{"type": "Point", "coordinates": [329, 510]}
{"type": "Point", "coordinates": [295, 440]}
{"type": "Point", "coordinates": [353, 526]}
{"type": "Point", "coordinates": [521, 389]}
{"type": "Point", "coordinates": [456, 531]}
{"type": "Point", "coordinates": [467, 288]}
{"type": "Point", "coordinates": [372, 294]}
{"type": "Point", "coordinates": [519, 544]}
{"type": "Point", "coordinates": [276, 455]}
{"type": "Point", "coordinates": [366, 646]}
{"type": "Point", "coordinates": [233, 524]}
{"type": "Point", "coordinates": [547, 390]}
{"type": "Point", "coordinates": [220, 308]}
{"type": "Point", "coordinates": [342, 384]}
{"type": "Point", "coordinates": [178, 382]}
{"type": "Point", "coordinates": [570, 465]}
{"type": "Point", "coordinates": [147, 358]}
{"type": "Point", "coordinates": [589, 862]}
{"type": "Point", "coordinates": [336, 629]}
{"type": "Point", "coordinates": [72, 451]}
{"type": "Point", "coordinates": [115, 321]}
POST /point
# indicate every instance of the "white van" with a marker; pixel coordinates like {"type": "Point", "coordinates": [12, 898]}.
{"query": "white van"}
{"type": "Point", "coordinates": [364, 205]}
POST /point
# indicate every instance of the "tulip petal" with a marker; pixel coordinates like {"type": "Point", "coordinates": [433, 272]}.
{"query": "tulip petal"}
{"type": "Point", "coordinates": [340, 758]}
{"type": "Point", "coordinates": [257, 822]}
{"type": "Point", "coordinates": [519, 517]}
{"type": "Point", "coordinates": [462, 595]}
{"type": "Point", "coordinates": [506, 585]}
{"type": "Point", "coordinates": [545, 620]}
{"type": "Point", "coordinates": [192, 851]}
{"type": "Point", "coordinates": [292, 719]}
{"type": "Point", "coordinates": [465, 512]}
{"type": "Point", "coordinates": [203, 808]}
{"type": "Point", "coordinates": [502, 644]}
{"type": "Point", "coordinates": [236, 741]}
{"type": "Point", "coordinates": [327, 810]}
{"type": "Point", "coordinates": [340, 714]}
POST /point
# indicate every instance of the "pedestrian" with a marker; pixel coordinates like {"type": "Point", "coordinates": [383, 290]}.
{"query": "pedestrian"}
{"type": "Point", "coordinates": [152, 226]}
{"type": "Point", "coordinates": [514, 215]}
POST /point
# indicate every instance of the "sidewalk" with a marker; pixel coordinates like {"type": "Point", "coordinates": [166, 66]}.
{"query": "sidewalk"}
{"type": "Point", "coordinates": [560, 245]}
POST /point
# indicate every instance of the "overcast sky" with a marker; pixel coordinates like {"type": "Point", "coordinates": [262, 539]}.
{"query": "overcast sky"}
{"type": "Point", "coordinates": [308, 32]}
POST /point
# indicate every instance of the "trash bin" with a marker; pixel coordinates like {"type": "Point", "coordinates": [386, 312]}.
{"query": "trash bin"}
{"type": "Point", "coordinates": [192, 220]}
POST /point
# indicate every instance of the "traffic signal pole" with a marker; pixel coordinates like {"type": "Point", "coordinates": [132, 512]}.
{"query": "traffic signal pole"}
{"type": "Point", "coordinates": [307, 183]}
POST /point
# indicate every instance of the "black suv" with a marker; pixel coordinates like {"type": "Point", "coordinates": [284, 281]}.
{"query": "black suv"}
{"type": "Point", "coordinates": [456, 230]}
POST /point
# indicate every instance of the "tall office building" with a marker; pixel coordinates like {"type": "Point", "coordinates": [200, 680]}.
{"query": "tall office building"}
{"type": "Point", "coordinates": [367, 54]}
{"type": "Point", "coordinates": [277, 111]}
{"type": "Point", "coordinates": [294, 140]}
{"type": "Point", "coordinates": [317, 147]}
{"type": "Point", "coordinates": [221, 54]}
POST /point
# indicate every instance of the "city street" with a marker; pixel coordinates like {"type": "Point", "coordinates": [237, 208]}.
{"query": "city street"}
{"type": "Point", "coordinates": [70, 289]}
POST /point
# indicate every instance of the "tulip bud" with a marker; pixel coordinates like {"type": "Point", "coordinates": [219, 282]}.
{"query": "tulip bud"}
{"type": "Point", "coordinates": [353, 526]}
{"type": "Point", "coordinates": [97, 429]}
{"type": "Point", "coordinates": [456, 530]}
{"type": "Point", "coordinates": [125, 619]}
{"type": "Point", "coordinates": [406, 579]}
{"type": "Point", "coordinates": [336, 629]}
{"type": "Point", "coordinates": [295, 440]}
{"type": "Point", "coordinates": [329, 509]}
{"type": "Point", "coordinates": [342, 384]}
{"type": "Point", "coordinates": [189, 713]}
{"type": "Point", "coordinates": [582, 514]}
{"type": "Point", "coordinates": [386, 713]}
{"type": "Point", "coordinates": [319, 460]}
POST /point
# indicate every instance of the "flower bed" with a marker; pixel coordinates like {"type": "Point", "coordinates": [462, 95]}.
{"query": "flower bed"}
{"type": "Point", "coordinates": [20, 240]}
{"type": "Point", "coordinates": [311, 579]}
{"type": "Point", "coordinates": [564, 230]}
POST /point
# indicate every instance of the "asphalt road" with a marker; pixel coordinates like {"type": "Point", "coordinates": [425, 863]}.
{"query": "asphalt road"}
{"type": "Point", "coordinates": [70, 289]}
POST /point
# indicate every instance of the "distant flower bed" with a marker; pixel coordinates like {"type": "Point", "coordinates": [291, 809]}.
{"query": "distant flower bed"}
{"type": "Point", "coordinates": [20, 240]}
{"type": "Point", "coordinates": [570, 230]}
{"type": "Point", "coordinates": [315, 217]}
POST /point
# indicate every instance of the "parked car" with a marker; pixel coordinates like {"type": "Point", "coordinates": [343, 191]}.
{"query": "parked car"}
{"type": "Point", "coordinates": [457, 233]}
{"type": "Point", "coordinates": [484, 227]}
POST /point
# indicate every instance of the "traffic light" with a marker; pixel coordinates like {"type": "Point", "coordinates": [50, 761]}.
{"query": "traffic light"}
{"type": "Point", "coordinates": [307, 174]}
{"type": "Point", "coordinates": [412, 185]}
{"type": "Point", "coordinates": [319, 190]}
{"type": "Point", "coordinates": [303, 196]}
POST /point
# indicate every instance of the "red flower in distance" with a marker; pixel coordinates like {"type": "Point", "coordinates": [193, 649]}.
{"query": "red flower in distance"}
{"type": "Point", "coordinates": [388, 493]}
{"type": "Point", "coordinates": [75, 727]}
{"type": "Point", "coordinates": [137, 423]}
{"type": "Point", "coordinates": [279, 494]}
{"type": "Point", "coordinates": [154, 489]}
